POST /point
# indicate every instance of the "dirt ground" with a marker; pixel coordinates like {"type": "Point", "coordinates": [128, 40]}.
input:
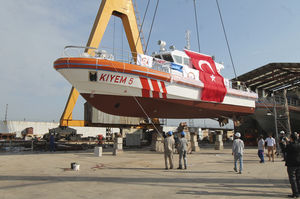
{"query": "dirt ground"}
{"type": "Point", "coordinates": [139, 174]}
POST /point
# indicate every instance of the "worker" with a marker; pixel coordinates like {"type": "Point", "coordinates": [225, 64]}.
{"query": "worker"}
{"type": "Point", "coordinates": [237, 152]}
{"type": "Point", "coordinates": [100, 140]}
{"type": "Point", "coordinates": [282, 143]}
{"type": "Point", "coordinates": [182, 150]}
{"type": "Point", "coordinates": [292, 161]}
{"type": "Point", "coordinates": [261, 149]}
{"type": "Point", "coordinates": [169, 145]}
{"type": "Point", "coordinates": [52, 142]}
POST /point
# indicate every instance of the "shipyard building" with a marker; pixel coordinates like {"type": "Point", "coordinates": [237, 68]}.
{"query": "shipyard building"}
{"type": "Point", "coordinates": [278, 106]}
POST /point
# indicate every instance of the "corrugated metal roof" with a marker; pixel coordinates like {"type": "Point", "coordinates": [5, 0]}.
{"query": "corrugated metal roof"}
{"type": "Point", "coordinates": [273, 77]}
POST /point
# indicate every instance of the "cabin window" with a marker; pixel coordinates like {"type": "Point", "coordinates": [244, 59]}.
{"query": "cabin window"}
{"type": "Point", "coordinates": [168, 57]}
{"type": "Point", "coordinates": [93, 76]}
{"type": "Point", "coordinates": [178, 59]}
{"type": "Point", "coordinates": [157, 56]}
{"type": "Point", "coordinates": [186, 61]}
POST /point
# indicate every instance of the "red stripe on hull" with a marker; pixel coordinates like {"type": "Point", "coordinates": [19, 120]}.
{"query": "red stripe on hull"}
{"type": "Point", "coordinates": [163, 108]}
{"type": "Point", "coordinates": [164, 94]}
{"type": "Point", "coordinates": [156, 89]}
{"type": "Point", "coordinates": [146, 87]}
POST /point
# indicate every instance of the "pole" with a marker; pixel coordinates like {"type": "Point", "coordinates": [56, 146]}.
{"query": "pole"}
{"type": "Point", "coordinates": [287, 113]}
{"type": "Point", "coordinates": [5, 118]}
{"type": "Point", "coordinates": [275, 120]}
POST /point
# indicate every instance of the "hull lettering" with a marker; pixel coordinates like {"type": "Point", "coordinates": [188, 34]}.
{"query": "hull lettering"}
{"type": "Point", "coordinates": [118, 79]}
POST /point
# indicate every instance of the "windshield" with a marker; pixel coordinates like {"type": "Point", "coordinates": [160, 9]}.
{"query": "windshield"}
{"type": "Point", "coordinates": [168, 57]}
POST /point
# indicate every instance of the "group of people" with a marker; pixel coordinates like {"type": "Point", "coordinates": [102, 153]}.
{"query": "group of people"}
{"type": "Point", "coordinates": [169, 146]}
{"type": "Point", "coordinates": [270, 142]}
{"type": "Point", "coordinates": [290, 149]}
{"type": "Point", "coordinates": [238, 150]}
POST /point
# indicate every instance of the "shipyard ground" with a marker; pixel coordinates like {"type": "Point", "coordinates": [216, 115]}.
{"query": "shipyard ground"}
{"type": "Point", "coordinates": [139, 174]}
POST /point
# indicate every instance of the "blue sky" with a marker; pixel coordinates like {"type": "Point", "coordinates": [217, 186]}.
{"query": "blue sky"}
{"type": "Point", "coordinates": [34, 33]}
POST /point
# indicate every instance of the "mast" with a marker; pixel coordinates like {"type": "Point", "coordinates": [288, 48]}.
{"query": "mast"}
{"type": "Point", "coordinates": [6, 109]}
{"type": "Point", "coordinates": [188, 39]}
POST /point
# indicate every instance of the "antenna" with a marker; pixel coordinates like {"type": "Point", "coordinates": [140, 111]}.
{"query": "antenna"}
{"type": "Point", "coordinates": [188, 41]}
{"type": "Point", "coordinates": [5, 118]}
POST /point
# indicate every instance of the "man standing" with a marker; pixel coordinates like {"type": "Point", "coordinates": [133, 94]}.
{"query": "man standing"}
{"type": "Point", "coordinates": [52, 142]}
{"type": "Point", "coordinates": [271, 144]}
{"type": "Point", "coordinates": [292, 161]}
{"type": "Point", "coordinates": [261, 149]}
{"type": "Point", "coordinates": [282, 143]}
{"type": "Point", "coordinates": [237, 152]}
{"type": "Point", "coordinates": [182, 148]}
{"type": "Point", "coordinates": [169, 144]}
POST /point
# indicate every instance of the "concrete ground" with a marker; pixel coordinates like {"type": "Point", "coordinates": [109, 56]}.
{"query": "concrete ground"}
{"type": "Point", "coordinates": [139, 174]}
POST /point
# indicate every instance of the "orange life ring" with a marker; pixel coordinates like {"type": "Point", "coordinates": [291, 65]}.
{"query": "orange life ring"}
{"type": "Point", "coordinates": [192, 75]}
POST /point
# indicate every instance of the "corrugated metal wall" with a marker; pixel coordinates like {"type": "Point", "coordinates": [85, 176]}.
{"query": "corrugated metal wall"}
{"type": "Point", "coordinates": [92, 115]}
{"type": "Point", "coordinates": [40, 128]}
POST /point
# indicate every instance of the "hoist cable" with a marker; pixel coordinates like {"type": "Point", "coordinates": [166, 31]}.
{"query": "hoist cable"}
{"type": "Point", "coordinates": [226, 39]}
{"type": "Point", "coordinates": [114, 27]}
{"type": "Point", "coordinates": [195, 11]}
{"type": "Point", "coordinates": [151, 26]}
{"type": "Point", "coordinates": [122, 43]}
{"type": "Point", "coordinates": [141, 28]}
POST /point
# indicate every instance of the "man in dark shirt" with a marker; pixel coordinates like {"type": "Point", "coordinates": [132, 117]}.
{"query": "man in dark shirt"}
{"type": "Point", "coordinates": [292, 161]}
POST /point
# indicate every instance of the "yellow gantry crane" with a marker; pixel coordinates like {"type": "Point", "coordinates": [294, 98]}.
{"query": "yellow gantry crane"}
{"type": "Point", "coordinates": [119, 8]}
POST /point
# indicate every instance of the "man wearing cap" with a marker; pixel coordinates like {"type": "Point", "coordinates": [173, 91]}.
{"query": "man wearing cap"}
{"type": "Point", "coordinates": [169, 144]}
{"type": "Point", "coordinates": [237, 152]}
{"type": "Point", "coordinates": [182, 148]}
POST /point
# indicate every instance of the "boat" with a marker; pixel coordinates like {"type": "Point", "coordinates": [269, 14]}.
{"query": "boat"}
{"type": "Point", "coordinates": [167, 84]}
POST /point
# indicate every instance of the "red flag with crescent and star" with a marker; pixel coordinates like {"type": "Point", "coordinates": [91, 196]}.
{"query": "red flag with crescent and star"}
{"type": "Point", "coordinates": [214, 88]}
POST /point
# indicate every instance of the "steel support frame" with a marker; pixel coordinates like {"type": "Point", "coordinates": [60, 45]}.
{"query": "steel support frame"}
{"type": "Point", "coordinates": [120, 8]}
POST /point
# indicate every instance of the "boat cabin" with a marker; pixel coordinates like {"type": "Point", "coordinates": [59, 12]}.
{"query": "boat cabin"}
{"type": "Point", "coordinates": [174, 56]}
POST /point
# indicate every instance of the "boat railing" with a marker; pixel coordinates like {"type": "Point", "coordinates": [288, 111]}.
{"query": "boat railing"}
{"type": "Point", "coordinates": [127, 56]}
{"type": "Point", "coordinates": [75, 51]}
{"type": "Point", "coordinates": [265, 100]}
{"type": "Point", "coordinates": [279, 100]}
{"type": "Point", "coordinates": [105, 53]}
{"type": "Point", "coordinates": [238, 85]}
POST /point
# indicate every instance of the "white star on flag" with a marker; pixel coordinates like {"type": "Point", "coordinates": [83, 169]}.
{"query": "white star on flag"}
{"type": "Point", "coordinates": [212, 78]}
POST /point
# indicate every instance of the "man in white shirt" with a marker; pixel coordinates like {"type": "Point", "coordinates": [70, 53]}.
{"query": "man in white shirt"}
{"type": "Point", "coordinates": [271, 144]}
{"type": "Point", "coordinates": [237, 152]}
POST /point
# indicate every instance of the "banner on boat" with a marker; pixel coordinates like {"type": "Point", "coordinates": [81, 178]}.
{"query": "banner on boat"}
{"type": "Point", "coordinates": [144, 60]}
{"type": "Point", "coordinates": [214, 88]}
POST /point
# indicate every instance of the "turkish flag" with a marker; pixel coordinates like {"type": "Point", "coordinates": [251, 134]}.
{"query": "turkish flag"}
{"type": "Point", "coordinates": [214, 87]}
